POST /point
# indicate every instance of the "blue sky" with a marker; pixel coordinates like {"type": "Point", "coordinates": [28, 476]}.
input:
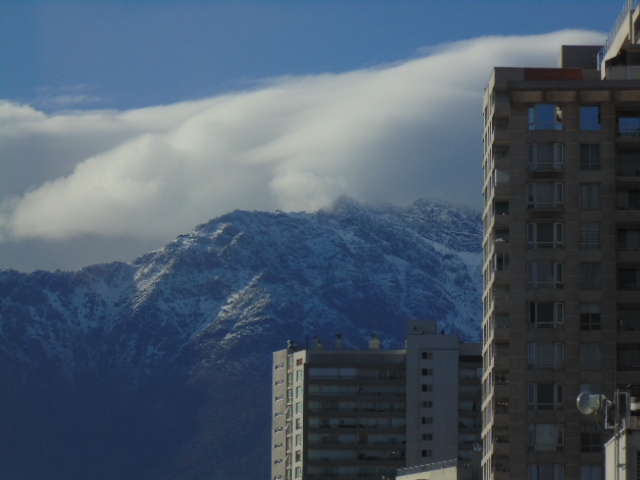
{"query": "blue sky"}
{"type": "Point", "coordinates": [140, 53]}
{"type": "Point", "coordinates": [125, 124]}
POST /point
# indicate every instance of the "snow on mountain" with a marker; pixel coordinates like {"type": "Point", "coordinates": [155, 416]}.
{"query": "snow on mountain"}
{"type": "Point", "coordinates": [204, 313]}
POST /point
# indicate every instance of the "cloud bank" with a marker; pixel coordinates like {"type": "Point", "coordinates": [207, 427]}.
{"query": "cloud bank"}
{"type": "Point", "coordinates": [387, 134]}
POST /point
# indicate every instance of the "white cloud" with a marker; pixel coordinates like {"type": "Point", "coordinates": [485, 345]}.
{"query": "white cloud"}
{"type": "Point", "coordinates": [394, 133]}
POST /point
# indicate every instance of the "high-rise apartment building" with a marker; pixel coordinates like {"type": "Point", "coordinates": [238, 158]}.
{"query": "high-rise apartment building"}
{"type": "Point", "coordinates": [353, 414]}
{"type": "Point", "coordinates": [561, 255]}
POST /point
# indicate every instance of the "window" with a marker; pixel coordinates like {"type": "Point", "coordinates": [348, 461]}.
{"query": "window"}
{"type": "Point", "coordinates": [629, 317]}
{"type": "Point", "coordinates": [545, 116]}
{"type": "Point", "coordinates": [590, 276]}
{"type": "Point", "coordinates": [279, 366]}
{"type": "Point", "coordinates": [427, 437]}
{"type": "Point", "coordinates": [628, 358]}
{"type": "Point", "coordinates": [591, 356]}
{"type": "Point", "coordinates": [427, 420]}
{"type": "Point", "coordinates": [542, 275]}
{"type": "Point", "coordinates": [299, 407]}
{"type": "Point", "coordinates": [545, 437]}
{"type": "Point", "coordinates": [545, 396]}
{"type": "Point", "coordinates": [427, 453]}
{"type": "Point", "coordinates": [502, 208]}
{"type": "Point", "coordinates": [500, 262]}
{"type": "Point", "coordinates": [289, 394]}
{"type": "Point", "coordinates": [545, 472]}
{"type": "Point", "coordinates": [591, 472]}
{"type": "Point", "coordinates": [589, 156]}
{"type": "Point", "coordinates": [629, 123]}
{"type": "Point", "coordinates": [590, 316]}
{"type": "Point", "coordinates": [428, 404]}
{"type": "Point", "coordinates": [545, 314]}
{"type": "Point", "coordinates": [427, 388]}
{"type": "Point", "coordinates": [589, 236]}
{"type": "Point", "coordinates": [299, 361]}
{"type": "Point", "coordinates": [298, 440]}
{"type": "Point", "coordinates": [629, 239]}
{"type": "Point", "coordinates": [590, 438]}
{"type": "Point", "coordinates": [590, 117]}
{"type": "Point", "coordinates": [628, 199]}
{"type": "Point", "coordinates": [427, 371]}
{"type": "Point", "coordinates": [590, 196]}
{"type": "Point", "coordinates": [298, 423]}
{"type": "Point", "coordinates": [279, 398]}
{"type": "Point", "coordinates": [298, 469]}
{"type": "Point", "coordinates": [299, 375]}
{"type": "Point", "coordinates": [545, 196]}
{"type": "Point", "coordinates": [427, 355]}
{"type": "Point", "coordinates": [298, 392]}
{"type": "Point", "coordinates": [545, 356]}
{"type": "Point", "coordinates": [278, 414]}
{"type": "Point", "coordinates": [629, 278]}
{"type": "Point", "coordinates": [628, 163]}
{"type": "Point", "coordinates": [545, 235]}
{"type": "Point", "coordinates": [546, 156]}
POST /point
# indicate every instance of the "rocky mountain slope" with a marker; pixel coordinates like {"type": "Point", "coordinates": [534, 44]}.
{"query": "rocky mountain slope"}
{"type": "Point", "coordinates": [160, 368]}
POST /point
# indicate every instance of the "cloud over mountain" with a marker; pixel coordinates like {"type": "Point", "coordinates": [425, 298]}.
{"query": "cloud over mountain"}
{"type": "Point", "coordinates": [392, 133]}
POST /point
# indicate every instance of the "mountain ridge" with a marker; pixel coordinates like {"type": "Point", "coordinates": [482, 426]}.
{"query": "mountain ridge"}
{"type": "Point", "coordinates": [204, 312]}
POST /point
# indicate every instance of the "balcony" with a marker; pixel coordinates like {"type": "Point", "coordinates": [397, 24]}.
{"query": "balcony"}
{"type": "Point", "coordinates": [628, 163]}
{"type": "Point", "coordinates": [629, 319]}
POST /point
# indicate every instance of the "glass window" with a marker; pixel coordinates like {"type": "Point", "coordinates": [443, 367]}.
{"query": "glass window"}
{"type": "Point", "coordinates": [629, 123]}
{"type": "Point", "coordinates": [546, 156]}
{"type": "Point", "coordinates": [590, 196]}
{"type": "Point", "coordinates": [590, 276]}
{"type": "Point", "coordinates": [501, 208]}
{"type": "Point", "coordinates": [590, 117]}
{"type": "Point", "coordinates": [589, 236]}
{"type": "Point", "coordinates": [590, 316]}
{"type": "Point", "coordinates": [545, 472]}
{"type": "Point", "coordinates": [545, 235]}
{"type": "Point", "coordinates": [591, 472]}
{"type": "Point", "coordinates": [546, 195]}
{"type": "Point", "coordinates": [545, 437]}
{"type": "Point", "coordinates": [628, 199]}
{"type": "Point", "coordinates": [545, 355]}
{"type": "Point", "coordinates": [545, 396]}
{"type": "Point", "coordinates": [590, 438]}
{"type": "Point", "coordinates": [545, 116]}
{"type": "Point", "coordinates": [591, 356]}
{"type": "Point", "coordinates": [628, 163]}
{"type": "Point", "coordinates": [545, 314]}
{"type": "Point", "coordinates": [542, 275]}
{"type": "Point", "coordinates": [629, 239]}
{"type": "Point", "coordinates": [590, 156]}
{"type": "Point", "coordinates": [629, 278]}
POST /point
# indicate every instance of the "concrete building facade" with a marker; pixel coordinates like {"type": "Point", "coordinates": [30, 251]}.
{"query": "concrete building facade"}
{"type": "Point", "coordinates": [561, 301]}
{"type": "Point", "coordinates": [355, 414]}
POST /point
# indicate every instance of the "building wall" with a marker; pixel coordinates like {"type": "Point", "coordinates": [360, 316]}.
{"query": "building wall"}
{"type": "Point", "coordinates": [511, 418]}
{"type": "Point", "coordinates": [432, 362]}
{"type": "Point", "coordinates": [362, 413]}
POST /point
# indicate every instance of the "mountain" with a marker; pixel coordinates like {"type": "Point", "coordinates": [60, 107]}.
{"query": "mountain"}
{"type": "Point", "coordinates": [161, 367]}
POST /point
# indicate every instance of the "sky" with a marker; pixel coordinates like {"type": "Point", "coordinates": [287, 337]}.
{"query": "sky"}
{"type": "Point", "coordinates": [125, 124]}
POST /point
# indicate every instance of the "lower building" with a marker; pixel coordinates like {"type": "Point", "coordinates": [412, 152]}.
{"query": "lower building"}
{"type": "Point", "coordinates": [356, 414]}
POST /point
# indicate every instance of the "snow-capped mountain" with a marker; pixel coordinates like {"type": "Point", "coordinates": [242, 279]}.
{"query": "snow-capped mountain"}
{"type": "Point", "coordinates": [161, 367]}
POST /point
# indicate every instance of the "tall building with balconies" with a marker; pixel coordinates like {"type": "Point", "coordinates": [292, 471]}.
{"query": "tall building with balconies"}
{"type": "Point", "coordinates": [561, 299]}
{"type": "Point", "coordinates": [354, 414]}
